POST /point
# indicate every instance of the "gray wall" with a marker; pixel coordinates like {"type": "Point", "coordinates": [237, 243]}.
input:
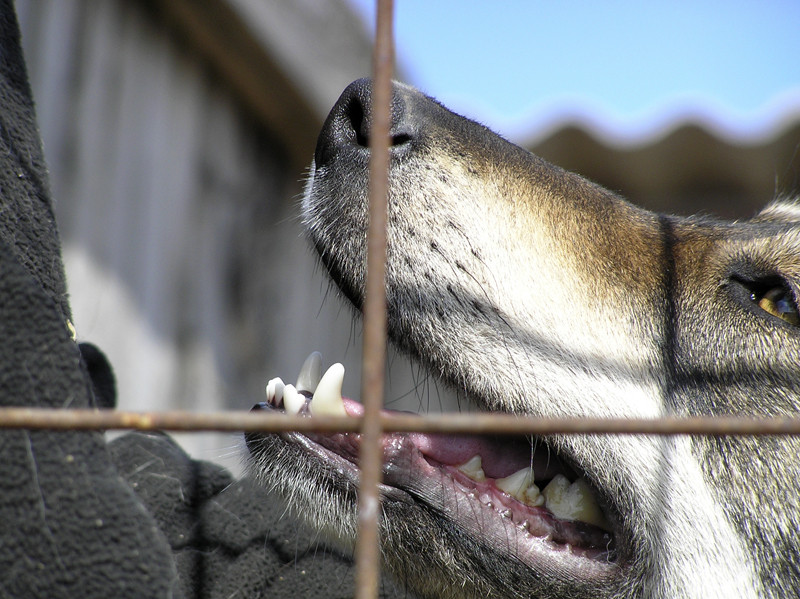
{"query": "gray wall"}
{"type": "Point", "coordinates": [177, 210]}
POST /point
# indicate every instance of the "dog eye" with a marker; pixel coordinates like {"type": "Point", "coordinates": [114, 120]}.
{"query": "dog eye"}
{"type": "Point", "coordinates": [779, 302]}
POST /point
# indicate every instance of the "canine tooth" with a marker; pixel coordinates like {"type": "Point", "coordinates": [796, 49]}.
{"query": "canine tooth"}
{"type": "Point", "coordinates": [292, 400]}
{"type": "Point", "coordinates": [328, 396]}
{"type": "Point", "coordinates": [270, 390]}
{"type": "Point", "coordinates": [473, 468]}
{"type": "Point", "coordinates": [275, 391]}
{"type": "Point", "coordinates": [573, 501]}
{"type": "Point", "coordinates": [310, 372]}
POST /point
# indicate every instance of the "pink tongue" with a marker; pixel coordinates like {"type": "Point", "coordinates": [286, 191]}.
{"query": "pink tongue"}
{"type": "Point", "coordinates": [501, 456]}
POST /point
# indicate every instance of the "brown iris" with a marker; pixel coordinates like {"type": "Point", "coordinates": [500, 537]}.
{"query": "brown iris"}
{"type": "Point", "coordinates": [779, 302]}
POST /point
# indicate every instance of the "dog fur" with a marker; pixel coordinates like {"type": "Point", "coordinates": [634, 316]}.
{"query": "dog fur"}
{"type": "Point", "coordinates": [531, 290]}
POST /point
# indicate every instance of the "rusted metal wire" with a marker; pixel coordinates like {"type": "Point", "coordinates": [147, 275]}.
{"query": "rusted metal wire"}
{"type": "Point", "coordinates": [367, 551]}
{"type": "Point", "coordinates": [471, 423]}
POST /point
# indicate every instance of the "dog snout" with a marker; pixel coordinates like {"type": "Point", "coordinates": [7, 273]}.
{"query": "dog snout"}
{"type": "Point", "coordinates": [349, 125]}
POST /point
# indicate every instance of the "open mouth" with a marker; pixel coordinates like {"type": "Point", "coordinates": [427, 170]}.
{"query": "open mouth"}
{"type": "Point", "coordinates": [515, 493]}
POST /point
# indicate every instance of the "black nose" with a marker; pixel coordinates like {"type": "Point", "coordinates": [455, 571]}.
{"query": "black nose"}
{"type": "Point", "coordinates": [349, 124]}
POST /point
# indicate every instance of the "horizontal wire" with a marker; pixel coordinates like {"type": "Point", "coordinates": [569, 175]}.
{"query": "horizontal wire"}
{"type": "Point", "coordinates": [457, 423]}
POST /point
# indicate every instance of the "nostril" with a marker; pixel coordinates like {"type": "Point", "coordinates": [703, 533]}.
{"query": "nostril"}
{"type": "Point", "coordinates": [398, 139]}
{"type": "Point", "coordinates": [358, 121]}
{"type": "Point", "coordinates": [349, 125]}
{"type": "Point", "coordinates": [357, 113]}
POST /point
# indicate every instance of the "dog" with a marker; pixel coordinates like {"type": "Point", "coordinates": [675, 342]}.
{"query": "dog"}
{"type": "Point", "coordinates": [533, 291]}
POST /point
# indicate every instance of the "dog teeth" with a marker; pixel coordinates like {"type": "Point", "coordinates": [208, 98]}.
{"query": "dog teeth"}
{"type": "Point", "coordinates": [567, 501]}
{"type": "Point", "coordinates": [533, 496]}
{"type": "Point", "coordinates": [312, 394]}
{"type": "Point", "coordinates": [293, 401]}
{"type": "Point", "coordinates": [310, 372]}
{"type": "Point", "coordinates": [327, 398]}
{"type": "Point", "coordinates": [515, 484]}
{"type": "Point", "coordinates": [520, 486]}
{"type": "Point", "coordinates": [573, 501]}
{"type": "Point", "coordinates": [473, 468]}
{"type": "Point", "coordinates": [275, 392]}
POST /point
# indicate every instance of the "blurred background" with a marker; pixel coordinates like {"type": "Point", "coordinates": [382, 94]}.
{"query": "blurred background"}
{"type": "Point", "coordinates": [178, 132]}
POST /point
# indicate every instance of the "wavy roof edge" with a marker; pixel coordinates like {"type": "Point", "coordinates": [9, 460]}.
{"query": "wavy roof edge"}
{"type": "Point", "coordinates": [688, 167]}
{"type": "Point", "coordinates": [755, 128]}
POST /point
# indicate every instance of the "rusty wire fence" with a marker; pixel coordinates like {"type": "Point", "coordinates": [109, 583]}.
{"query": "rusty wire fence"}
{"type": "Point", "coordinates": [373, 423]}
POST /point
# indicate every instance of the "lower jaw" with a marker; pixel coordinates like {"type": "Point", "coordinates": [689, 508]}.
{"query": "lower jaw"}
{"type": "Point", "coordinates": [557, 548]}
{"type": "Point", "coordinates": [559, 536]}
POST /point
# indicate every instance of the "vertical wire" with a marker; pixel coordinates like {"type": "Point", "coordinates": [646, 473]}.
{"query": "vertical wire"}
{"type": "Point", "coordinates": [367, 551]}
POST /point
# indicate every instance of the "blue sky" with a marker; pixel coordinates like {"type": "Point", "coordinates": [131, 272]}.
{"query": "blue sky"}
{"type": "Point", "coordinates": [630, 69]}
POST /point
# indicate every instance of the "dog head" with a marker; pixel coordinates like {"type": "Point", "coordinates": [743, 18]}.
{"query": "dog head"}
{"type": "Point", "coordinates": [533, 291]}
